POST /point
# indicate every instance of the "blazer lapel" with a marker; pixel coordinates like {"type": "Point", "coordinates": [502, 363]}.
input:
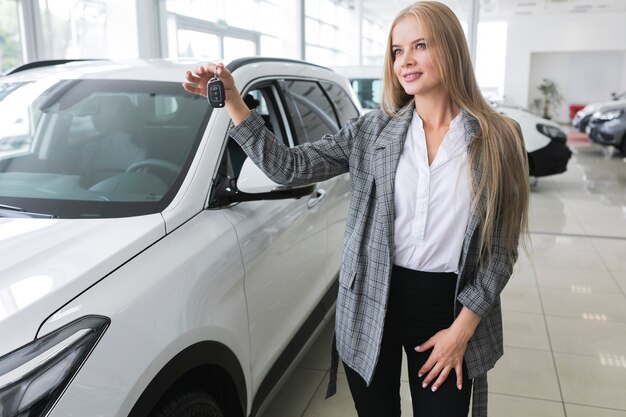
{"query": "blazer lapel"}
{"type": "Point", "coordinates": [387, 150]}
{"type": "Point", "coordinates": [472, 128]}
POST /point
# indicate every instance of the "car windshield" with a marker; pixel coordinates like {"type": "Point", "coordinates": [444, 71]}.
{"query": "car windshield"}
{"type": "Point", "coordinates": [95, 148]}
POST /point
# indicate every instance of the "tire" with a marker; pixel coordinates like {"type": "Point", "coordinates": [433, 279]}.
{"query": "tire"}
{"type": "Point", "coordinates": [189, 404]}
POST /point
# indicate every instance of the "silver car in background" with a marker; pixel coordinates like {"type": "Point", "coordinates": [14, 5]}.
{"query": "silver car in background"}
{"type": "Point", "coordinates": [608, 127]}
{"type": "Point", "coordinates": [583, 116]}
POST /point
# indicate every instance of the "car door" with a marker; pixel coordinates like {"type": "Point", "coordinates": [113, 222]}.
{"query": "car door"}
{"type": "Point", "coordinates": [319, 107]}
{"type": "Point", "coordinates": [338, 189]}
{"type": "Point", "coordinates": [284, 249]}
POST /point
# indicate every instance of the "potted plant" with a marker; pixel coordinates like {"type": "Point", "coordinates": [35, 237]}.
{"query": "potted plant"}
{"type": "Point", "coordinates": [551, 97]}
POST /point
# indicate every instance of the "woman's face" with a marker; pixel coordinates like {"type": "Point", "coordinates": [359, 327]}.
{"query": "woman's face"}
{"type": "Point", "coordinates": [412, 60]}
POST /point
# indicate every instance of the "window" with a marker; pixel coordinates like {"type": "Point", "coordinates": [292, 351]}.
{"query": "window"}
{"type": "Point", "coordinates": [312, 113]}
{"type": "Point", "coordinates": [198, 44]}
{"type": "Point", "coordinates": [96, 148]}
{"type": "Point", "coordinates": [369, 91]}
{"type": "Point", "coordinates": [262, 99]}
{"type": "Point", "coordinates": [491, 58]}
{"type": "Point", "coordinates": [10, 41]}
{"type": "Point", "coordinates": [220, 29]}
{"type": "Point", "coordinates": [374, 38]}
{"type": "Point", "coordinates": [329, 33]}
{"type": "Point", "coordinates": [346, 109]}
{"type": "Point", "coordinates": [74, 28]}
{"type": "Point", "coordinates": [18, 116]}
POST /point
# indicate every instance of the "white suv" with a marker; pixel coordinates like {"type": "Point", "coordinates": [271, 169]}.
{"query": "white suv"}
{"type": "Point", "coordinates": [148, 268]}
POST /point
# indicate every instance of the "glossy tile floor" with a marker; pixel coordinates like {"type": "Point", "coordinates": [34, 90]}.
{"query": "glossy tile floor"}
{"type": "Point", "coordinates": [564, 308]}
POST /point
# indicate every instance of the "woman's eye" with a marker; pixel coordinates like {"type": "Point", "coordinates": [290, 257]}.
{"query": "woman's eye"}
{"type": "Point", "coordinates": [420, 45]}
{"type": "Point", "coordinates": [396, 52]}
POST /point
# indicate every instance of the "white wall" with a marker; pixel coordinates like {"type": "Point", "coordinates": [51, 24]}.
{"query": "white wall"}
{"type": "Point", "coordinates": [574, 33]}
{"type": "Point", "coordinates": [582, 77]}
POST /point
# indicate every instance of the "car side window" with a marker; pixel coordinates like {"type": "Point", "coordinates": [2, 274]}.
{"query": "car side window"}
{"type": "Point", "coordinates": [344, 106]}
{"type": "Point", "coordinates": [312, 113]}
{"type": "Point", "coordinates": [264, 100]}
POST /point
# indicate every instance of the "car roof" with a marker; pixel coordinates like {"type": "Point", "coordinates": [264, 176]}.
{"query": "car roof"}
{"type": "Point", "coordinates": [171, 70]}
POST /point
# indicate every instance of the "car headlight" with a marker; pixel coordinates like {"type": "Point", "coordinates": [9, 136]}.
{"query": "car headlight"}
{"type": "Point", "coordinates": [608, 115]}
{"type": "Point", "coordinates": [33, 377]}
{"type": "Point", "coordinates": [552, 132]}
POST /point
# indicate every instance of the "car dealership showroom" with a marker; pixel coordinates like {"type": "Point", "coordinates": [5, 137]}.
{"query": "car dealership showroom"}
{"type": "Point", "coordinates": [200, 211]}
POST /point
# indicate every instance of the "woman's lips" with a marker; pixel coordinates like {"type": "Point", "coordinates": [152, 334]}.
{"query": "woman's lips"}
{"type": "Point", "coordinates": [412, 76]}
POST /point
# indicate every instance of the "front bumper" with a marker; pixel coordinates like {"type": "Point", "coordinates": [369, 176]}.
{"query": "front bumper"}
{"type": "Point", "coordinates": [607, 133]}
{"type": "Point", "coordinates": [549, 160]}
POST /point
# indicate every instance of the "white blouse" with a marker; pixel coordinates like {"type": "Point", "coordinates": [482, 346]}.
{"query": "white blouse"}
{"type": "Point", "coordinates": [431, 202]}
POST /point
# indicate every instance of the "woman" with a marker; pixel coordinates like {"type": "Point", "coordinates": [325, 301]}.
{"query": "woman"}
{"type": "Point", "coordinates": [439, 199]}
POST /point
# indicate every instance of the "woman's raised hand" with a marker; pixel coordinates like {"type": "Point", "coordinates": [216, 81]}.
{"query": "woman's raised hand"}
{"type": "Point", "coordinates": [197, 83]}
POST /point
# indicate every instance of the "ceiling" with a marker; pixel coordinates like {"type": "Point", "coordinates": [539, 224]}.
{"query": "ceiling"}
{"type": "Point", "coordinates": [385, 10]}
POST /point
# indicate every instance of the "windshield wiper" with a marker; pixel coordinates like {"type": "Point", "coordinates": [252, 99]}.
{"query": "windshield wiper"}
{"type": "Point", "coordinates": [10, 211]}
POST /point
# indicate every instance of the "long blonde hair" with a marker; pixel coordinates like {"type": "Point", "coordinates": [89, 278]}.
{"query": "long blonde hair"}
{"type": "Point", "coordinates": [501, 188]}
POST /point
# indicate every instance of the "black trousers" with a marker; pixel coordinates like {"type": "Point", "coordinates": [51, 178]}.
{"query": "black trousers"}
{"type": "Point", "coordinates": [420, 304]}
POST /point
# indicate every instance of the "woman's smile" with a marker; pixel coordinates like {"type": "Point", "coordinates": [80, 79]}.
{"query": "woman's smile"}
{"type": "Point", "coordinates": [411, 76]}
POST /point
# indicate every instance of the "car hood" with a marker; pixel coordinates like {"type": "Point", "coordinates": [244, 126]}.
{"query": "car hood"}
{"type": "Point", "coordinates": [47, 262]}
{"type": "Point", "coordinates": [594, 107]}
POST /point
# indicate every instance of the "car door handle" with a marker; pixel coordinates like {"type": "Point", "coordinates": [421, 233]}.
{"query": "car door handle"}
{"type": "Point", "coordinates": [317, 197]}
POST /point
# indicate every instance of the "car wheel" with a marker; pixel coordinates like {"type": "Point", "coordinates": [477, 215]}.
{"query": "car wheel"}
{"type": "Point", "coordinates": [188, 404]}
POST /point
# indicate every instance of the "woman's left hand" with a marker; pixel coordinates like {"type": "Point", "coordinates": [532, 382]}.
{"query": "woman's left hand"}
{"type": "Point", "coordinates": [448, 350]}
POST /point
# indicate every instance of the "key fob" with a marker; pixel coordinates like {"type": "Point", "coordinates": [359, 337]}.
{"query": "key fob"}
{"type": "Point", "coordinates": [215, 92]}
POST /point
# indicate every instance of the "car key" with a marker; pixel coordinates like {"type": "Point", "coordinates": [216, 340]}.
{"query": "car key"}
{"type": "Point", "coordinates": [215, 92]}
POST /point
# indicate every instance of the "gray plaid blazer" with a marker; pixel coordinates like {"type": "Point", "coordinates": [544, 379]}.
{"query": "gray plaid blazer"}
{"type": "Point", "coordinates": [369, 149]}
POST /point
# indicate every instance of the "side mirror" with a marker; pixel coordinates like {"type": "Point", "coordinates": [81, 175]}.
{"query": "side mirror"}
{"type": "Point", "coordinates": [253, 181]}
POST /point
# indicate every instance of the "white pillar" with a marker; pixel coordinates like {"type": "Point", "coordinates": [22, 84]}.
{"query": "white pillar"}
{"type": "Point", "coordinates": [30, 30]}
{"type": "Point", "coordinates": [148, 29]}
{"type": "Point", "coordinates": [472, 28]}
{"type": "Point", "coordinates": [301, 34]}
{"type": "Point", "coordinates": [359, 13]}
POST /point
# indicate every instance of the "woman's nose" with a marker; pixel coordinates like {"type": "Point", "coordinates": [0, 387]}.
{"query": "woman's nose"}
{"type": "Point", "coordinates": [407, 60]}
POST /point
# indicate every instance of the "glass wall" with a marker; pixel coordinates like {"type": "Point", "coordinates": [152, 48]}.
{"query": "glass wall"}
{"type": "Point", "coordinates": [73, 29]}
{"type": "Point", "coordinates": [10, 38]}
{"type": "Point", "coordinates": [321, 31]}
{"type": "Point", "coordinates": [491, 59]}
{"type": "Point", "coordinates": [374, 43]}
{"type": "Point", "coordinates": [329, 30]}
{"type": "Point", "coordinates": [219, 29]}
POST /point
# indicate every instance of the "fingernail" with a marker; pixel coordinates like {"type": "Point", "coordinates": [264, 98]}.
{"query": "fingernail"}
{"type": "Point", "coordinates": [423, 385]}
{"type": "Point", "coordinates": [419, 375]}
{"type": "Point", "coordinates": [460, 386]}
{"type": "Point", "coordinates": [418, 348]}
{"type": "Point", "coordinates": [434, 388]}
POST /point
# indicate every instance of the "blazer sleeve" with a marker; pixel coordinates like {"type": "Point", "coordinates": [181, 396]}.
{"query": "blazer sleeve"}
{"type": "Point", "coordinates": [482, 291]}
{"type": "Point", "coordinates": [304, 164]}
